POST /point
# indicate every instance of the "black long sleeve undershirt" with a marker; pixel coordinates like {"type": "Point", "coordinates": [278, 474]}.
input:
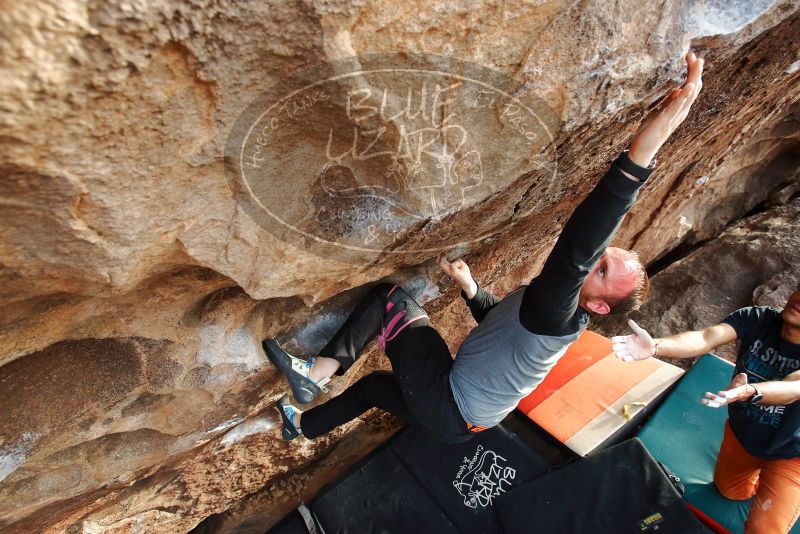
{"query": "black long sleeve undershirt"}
{"type": "Point", "coordinates": [550, 302]}
{"type": "Point", "coordinates": [481, 303]}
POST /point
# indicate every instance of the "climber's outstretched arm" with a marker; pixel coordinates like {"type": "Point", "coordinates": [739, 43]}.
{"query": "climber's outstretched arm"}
{"type": "Point", "coordinates": [551, 299]}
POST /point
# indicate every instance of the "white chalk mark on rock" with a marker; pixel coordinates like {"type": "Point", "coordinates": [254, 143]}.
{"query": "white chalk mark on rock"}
{"type": "Point", "coordinates": [14, 454]}
{"type": "Point", "coordinates": [247, 428]}
{"type": "Point", "coordinates": [218, 346]}
{"type": "Point", "coordinates": [225, 425]}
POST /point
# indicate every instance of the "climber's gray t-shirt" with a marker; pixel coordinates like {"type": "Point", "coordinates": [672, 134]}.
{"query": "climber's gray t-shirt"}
{"type": "Point", "coordinates": [500, 362]}
{"type": "Point", "coordinates": [519, 338]}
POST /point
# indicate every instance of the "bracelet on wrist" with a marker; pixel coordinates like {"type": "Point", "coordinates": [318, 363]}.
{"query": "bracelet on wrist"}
{"type": "Point", "coordinates": [756, 397]}
{"type": "Point", "coordinates": [625, 163]}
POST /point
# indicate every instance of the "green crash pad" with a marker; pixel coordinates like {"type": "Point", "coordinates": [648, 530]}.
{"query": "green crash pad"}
{"type": "Point", "coordinates": [685, 435]}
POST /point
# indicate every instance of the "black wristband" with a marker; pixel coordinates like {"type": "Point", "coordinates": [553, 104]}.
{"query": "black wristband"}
{"type": "Point", "coordinates": [625, 163]}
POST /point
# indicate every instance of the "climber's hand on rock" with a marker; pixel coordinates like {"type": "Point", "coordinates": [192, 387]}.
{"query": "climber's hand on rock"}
{"type": "Point", "coordinates": [664, 120]}
{"type": "Point", "coordinates": [637, 346]}
{"type": "Point", "coordinates": [459, 271]}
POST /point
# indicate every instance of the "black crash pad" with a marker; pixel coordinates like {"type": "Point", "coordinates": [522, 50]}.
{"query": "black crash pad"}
{"type": "Point", "coordinates": [417, 484]}
{"type": "Point", "coordinates": [298, 521]}
{"type": "Point", "coordinates": [379, 496]}
{"type": "Point", "coordinates": [619, 490]}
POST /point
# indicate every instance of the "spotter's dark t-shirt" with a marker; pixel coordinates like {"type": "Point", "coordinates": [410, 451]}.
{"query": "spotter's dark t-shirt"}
{"type": "Point", "coordinates": [769, 432]}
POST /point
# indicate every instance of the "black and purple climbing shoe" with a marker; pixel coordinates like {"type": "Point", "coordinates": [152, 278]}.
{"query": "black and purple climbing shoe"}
{"type": "Point", "coordinates": [296, 371]}
{"type": "Point", "coordinates": [287, 411]}
{"type": "Point", "coordinates": [401, 311]}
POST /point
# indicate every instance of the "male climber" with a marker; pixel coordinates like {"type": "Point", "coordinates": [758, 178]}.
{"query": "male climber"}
{"type": "Point", "coordinates": [760, 451]}
{"type": "Point", "coordinates": [518, 338]}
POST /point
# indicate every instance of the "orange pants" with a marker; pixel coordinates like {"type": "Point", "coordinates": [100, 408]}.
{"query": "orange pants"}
{"type": "Point", "coordinates": [775, 484]}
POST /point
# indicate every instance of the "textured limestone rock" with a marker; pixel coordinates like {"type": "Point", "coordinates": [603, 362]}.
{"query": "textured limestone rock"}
{"type": "Point", "coordinates": [136, 289]}
{"type": "Point", "coordinates": [751, 263]}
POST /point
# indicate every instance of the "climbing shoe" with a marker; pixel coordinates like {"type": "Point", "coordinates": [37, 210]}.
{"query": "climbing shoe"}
{"type": "Point", "coordinates": [296, 371]}
{"type": "Point", "coordinates": [287, 411]}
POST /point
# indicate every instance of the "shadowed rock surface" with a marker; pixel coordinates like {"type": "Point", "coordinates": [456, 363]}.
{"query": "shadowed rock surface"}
{"type": "Point", "coordinates": [134, 394]}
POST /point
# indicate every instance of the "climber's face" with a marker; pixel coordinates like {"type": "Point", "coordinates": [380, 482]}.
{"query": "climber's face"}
{"type": "Point", "coordinates": [791, 312]}
{"type": "Point", "coordinates": [616, 275]}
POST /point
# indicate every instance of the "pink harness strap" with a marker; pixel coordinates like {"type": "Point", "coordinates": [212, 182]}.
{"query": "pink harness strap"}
{"type": "Point", "coordinates": [384, 337]}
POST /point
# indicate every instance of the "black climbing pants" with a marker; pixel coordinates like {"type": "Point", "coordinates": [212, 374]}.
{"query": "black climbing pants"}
{"type": "Point", "coordinates": [418, 388]}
